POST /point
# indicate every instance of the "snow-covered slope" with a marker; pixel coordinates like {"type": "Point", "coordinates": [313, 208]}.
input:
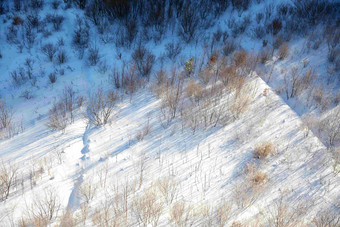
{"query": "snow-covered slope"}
{"type": "Point", "coordinates": [136, 171]}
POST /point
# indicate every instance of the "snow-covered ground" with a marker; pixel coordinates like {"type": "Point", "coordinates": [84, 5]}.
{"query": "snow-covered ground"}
{"type": "Point", "coordinates": [91, 168]}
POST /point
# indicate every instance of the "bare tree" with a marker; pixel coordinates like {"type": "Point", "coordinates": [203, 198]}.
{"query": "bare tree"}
{"type": "Point", "coordinates": [100, 107]}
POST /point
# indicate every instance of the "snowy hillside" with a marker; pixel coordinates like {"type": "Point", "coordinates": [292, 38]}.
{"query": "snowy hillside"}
{"type": "Point", "coordinates": [169, 113]}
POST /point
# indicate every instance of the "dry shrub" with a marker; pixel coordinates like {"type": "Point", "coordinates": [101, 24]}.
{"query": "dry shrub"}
{"type": "Point", "coordinates": [143, 60]}
{"type": "Point", "coordinates": [275, 26]}
{"type": "Point", "coordinates": [236, 224]}
{"type": "Point", "coordinates": [8, 177]}
{"type": "Point", "coordinates": [88, 191]}
{"type": "Point", "coordinates": [6, 118]}
{"type": "Point", "coordinates": [283, 51]}
{"type": "Point", "coordinates": [62, 112]}
{"type": "Point", "coordinates": [246, 191]}
{"type": "Point", "coordinates": [17, 20]}
{"type": "Point", "coordinates": [244, 194]}
{"type": "Point", "coordinates": [23, 222]}
{"type": "Point", "coordinates": [49, 50]}
{"type": "Point", "coordinates": [202, 214]}
{"type": "Point", "coordinates": [168, 188]}
{"type": "Point", "coordinates": [93, 56]}
{"type": "Point", "coordinates": [326, 219]}
{"type": "Point", "coordinates": [147, 208]}
{"type": "Point", "coordinates": [223, 213]}
{"type": "Point", "coordinates": [240, 104]}
{"type": "Point", "coordinates": [229, 48]}
{"type": "Point", "coordinates": [44, 208]}
{"type": "Point", "coordinates": [188, 23]}
{"type": "Point", "coordinates": [104, 216]}
{"type": "Point", "coordinates": [144, 132]}
{"type": "Point", "coordinates": [241, 5]}
{"type": "Point", "coordinates": [67, 220]}
{"type": "Point", "coordinates": [263, 150]}
{"type": "Point", "coordinates": [61, 57]}
{"type": "Point", "coordinates": [284, 213]}
{"type": "Point", "coordinates": [83, 212]}
{"type": "Point", "coordinates": [161, 77]}
{"type": "Point", "coordinates": [57, 116]}
{"type": "Point", "coordinates": [227, 74]}
{"type": "Point", "coordinates": [130, 81]}
{"type": "Point", "coordinates": [52, 77]}
{"type": "Point", "coordinates": [194, 91]}
{"type": "Point", "coordinates": [100, 107]}
{"type": "Point", "coordinates": [309, 122]}
{"type": "Point", "coordinates": [337, 98]}
{"type": "Point", "coordinates": [206, 75]}
{"type": "Point", "coordinates": [278, 41]}
{"type": "Point", "coordinates": [321, 98]}
{"type": "Point", "coordinates": [255, 176]}
{"type": "Point", "coordinates": [331, 126]}
{"type": "Point", "coordinates": [180, 213]}
{"type": "Point", "coordinates": [240, 58]}
{"type": "Point", "coordinates": [265, 55]}
{"type": "Point", "coordinates": [171, 96]}
{"type": "Point", "coordinates": [293, 84]}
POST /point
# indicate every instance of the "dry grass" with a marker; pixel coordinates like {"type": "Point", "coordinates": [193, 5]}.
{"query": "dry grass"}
{"type": "Point", "coordinates": [264, 150]}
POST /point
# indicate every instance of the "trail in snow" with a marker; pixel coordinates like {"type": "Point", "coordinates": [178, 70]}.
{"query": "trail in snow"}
{"type": "Point", "coordinates": [74, 199]}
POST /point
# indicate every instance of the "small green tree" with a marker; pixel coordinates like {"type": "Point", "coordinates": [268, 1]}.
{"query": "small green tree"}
{"type": "Point", "coordinates": [189, 66]}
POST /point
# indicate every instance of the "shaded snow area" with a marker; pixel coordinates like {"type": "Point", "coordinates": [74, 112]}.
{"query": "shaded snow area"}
{"type": "Point", "coordinates": [206, 138]}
